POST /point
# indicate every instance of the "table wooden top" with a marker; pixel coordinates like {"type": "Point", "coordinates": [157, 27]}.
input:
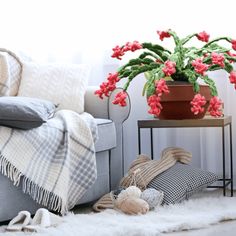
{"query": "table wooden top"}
{"type": "Point", "coordinates": [207, 121]}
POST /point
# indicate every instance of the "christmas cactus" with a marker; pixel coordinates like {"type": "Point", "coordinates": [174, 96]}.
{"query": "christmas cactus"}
{"type": "Point", "coordinates": [182, 64]}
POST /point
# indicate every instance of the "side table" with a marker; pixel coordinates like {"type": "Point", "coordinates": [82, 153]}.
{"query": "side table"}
{"type": "Point", "coordinates": [221, 122]}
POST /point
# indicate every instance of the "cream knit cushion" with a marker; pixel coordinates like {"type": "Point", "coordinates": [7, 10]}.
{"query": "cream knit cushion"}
{"type": "Point", "coordinates": [62, 84]}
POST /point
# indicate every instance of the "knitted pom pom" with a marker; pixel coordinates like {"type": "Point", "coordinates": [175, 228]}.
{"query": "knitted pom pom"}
{"type": "Point", "coordinates": [133, 206]}
{"type": "Point", "coordinates": [131, 191]}
{"type": "Point", "coordinates": [153, 197]}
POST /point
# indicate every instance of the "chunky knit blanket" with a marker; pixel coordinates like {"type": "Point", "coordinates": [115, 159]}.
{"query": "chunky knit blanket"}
{"type": "Point", "coordinates": [143, 170]}
{"type": "Point", "coordinates": [55, 162]}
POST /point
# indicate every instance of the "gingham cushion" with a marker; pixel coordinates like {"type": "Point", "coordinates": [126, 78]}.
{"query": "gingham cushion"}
{"type": "Point", "coordinates": [181, 181]}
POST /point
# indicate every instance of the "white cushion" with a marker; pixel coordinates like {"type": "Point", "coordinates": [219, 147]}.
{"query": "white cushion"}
{"type": "Point", "coordinates": [62, 84]}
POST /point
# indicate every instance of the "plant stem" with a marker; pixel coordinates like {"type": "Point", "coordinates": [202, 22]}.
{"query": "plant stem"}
{"type": "Point", "coordinates": [185, 40]}
{"type": "Point", "coordinates": [217, 39]}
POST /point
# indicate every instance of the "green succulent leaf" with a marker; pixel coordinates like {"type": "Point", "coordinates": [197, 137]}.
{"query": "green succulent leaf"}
{"type": "Point", "coordinates": [214, 67]}
{"type": "Point", "coordinates": [192, 78]}
{"type": "Point", "coordinates": [145, 54]}
{"type": "Point", "coordinates": [158, 50]}
{"type": "Point", "coordinates": [125, 73]}
{"type": "Point", "coordinates": [150, 89]}
{"type": "Point", "coordinates": [228, 66]}
{"type": "Point", "coordinates": [174, 57]}
{"type": "Point", "coordinates": [153, 47]}
{"type": "Point", "coordinates": [211, 85]}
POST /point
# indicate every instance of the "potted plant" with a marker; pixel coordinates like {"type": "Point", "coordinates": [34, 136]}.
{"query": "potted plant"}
{"type": "Point", "coordinates": [182, 64]}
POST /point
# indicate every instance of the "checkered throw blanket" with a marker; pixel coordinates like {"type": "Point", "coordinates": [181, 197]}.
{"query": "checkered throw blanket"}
{"type": "Point", "coordinates": [56, 161]}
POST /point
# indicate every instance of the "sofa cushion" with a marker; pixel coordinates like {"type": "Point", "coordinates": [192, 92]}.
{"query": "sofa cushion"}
{"type": "Point", "coordinates": [63, 84]}
{"type": "Point", "coordinates": [24, 112]}
{"type": "Point", "coordinates": [106, 135]}
{"type": "Point", "coordinates": [181, 181]}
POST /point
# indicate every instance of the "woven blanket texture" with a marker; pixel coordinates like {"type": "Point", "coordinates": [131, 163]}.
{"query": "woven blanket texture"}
{"type": "Point", "coordinates": [55, 162]}
{"type": "Point", "coordinates": [10, 73]}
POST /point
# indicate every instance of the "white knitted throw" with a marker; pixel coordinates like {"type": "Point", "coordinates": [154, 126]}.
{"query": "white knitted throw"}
{"type": "Point", "coordinates": [55, 162]}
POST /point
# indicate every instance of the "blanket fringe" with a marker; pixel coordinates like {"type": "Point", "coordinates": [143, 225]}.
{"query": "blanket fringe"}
{"type": "Point", "coordinates": [39, 194]}
{"type": "Point", "coordinates": [10, 171]}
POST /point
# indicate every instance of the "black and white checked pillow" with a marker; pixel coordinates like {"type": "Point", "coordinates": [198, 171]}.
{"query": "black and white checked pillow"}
{"type": "Point", "coordinates": [181, 181]}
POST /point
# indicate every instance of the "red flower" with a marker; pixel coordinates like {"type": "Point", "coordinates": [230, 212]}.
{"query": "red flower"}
{"type": "Point", "coordinates": [232, 78]}
{"type": "Point", "coordinates": [203, 36]}
{"type": "Point", "coordinates": [199, 66]}
{"type": "Point", "coordinates": [161, 87]}
{"type": "Point", "coordinates": [155, 105]}
{"type": "Point", "coordinates": [120, 99]}
{"type": "Point", "coordinates": [117, 52]}
{"type": "Point", "coordinates": [132, 46]}
{"type": "Point", "coordinates": [113, 78]}
{"type": "Point", "coordinates": [233, 41]}
{"type": "Point", "coordinates": [231, 55]}
{"type": "Point", "coordinates": [218, 59]}
{"type": "Point", "coordinates": [215, 107]}
{"type": "Point", "coordinates": [109, 86]}
{"type": "Point", "coordinates": [169, 68]}
{"type": "Point", "coordinates": [163, 34]}
{"type": "Point", "coordinates": [105, 89]}
{"type": "Point", "coordinates": [197, 104]}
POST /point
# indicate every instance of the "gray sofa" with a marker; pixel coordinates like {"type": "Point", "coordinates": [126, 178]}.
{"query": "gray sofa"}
{"type": "Point", "coordinates": [109, 155]}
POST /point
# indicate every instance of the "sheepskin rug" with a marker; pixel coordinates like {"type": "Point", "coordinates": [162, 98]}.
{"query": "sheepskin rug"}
{"type": "Point", "coordinates": [192, 214]}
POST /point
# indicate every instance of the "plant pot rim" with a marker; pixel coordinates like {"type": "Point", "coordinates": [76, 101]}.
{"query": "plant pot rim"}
{"type": "Point", "coordinates": [183, 83]}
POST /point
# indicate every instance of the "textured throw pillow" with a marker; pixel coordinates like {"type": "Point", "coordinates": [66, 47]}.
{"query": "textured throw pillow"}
{"type": "Point", "coordinates": [181, 181]}
{"type": "Point", "coordinates": [63, 84]}
{"type": "Point", "coordinates": [24, 112]}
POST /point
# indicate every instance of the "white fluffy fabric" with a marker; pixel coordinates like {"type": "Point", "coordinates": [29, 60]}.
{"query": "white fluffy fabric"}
{"type": "Point", "coordinates": [62, 84]}
{"type": "Point", "coordinates": [192, 214]}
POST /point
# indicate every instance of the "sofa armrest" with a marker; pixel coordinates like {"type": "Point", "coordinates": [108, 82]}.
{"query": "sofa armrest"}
{"type": "Point", "coordinates": [115, 112]}
{"type": "Point", "coordinates": [95, 106]}
{"type": "Point", "coordinates": [103, 108]}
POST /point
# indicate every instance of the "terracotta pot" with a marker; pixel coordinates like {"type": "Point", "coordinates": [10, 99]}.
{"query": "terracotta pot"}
{"type": "Point", "coordinates": [176, 104]}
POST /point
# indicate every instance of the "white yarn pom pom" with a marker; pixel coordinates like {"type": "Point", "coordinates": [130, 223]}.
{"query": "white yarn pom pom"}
{"type": "Point", "coordinates": [131, 191]}
{"type": "Point", "coordinates": [153, 197]}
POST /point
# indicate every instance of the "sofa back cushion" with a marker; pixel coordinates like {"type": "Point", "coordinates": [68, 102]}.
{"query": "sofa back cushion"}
{"type": "Point", "coordinates": [63, 84]}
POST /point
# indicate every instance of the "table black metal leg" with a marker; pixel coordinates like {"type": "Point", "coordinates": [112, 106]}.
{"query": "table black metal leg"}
{"type": "Point", "coordinates": [223, 156]}
{"type": "Point", "coordinates": [139, 141]}
{"type": "Point", "coordinates": [231, 159]}
{"type": "Point", "coordinates": [109, 164]}
{"type": "Point", "coordinates": [151, 134]}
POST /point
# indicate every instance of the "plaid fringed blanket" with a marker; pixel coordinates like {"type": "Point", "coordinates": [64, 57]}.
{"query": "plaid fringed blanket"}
{"type": "Point", "coordinates": [56, 161]}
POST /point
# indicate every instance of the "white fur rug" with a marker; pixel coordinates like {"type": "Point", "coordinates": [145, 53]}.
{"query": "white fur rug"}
{"type": "Point", "coordinates": [193, 214]}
